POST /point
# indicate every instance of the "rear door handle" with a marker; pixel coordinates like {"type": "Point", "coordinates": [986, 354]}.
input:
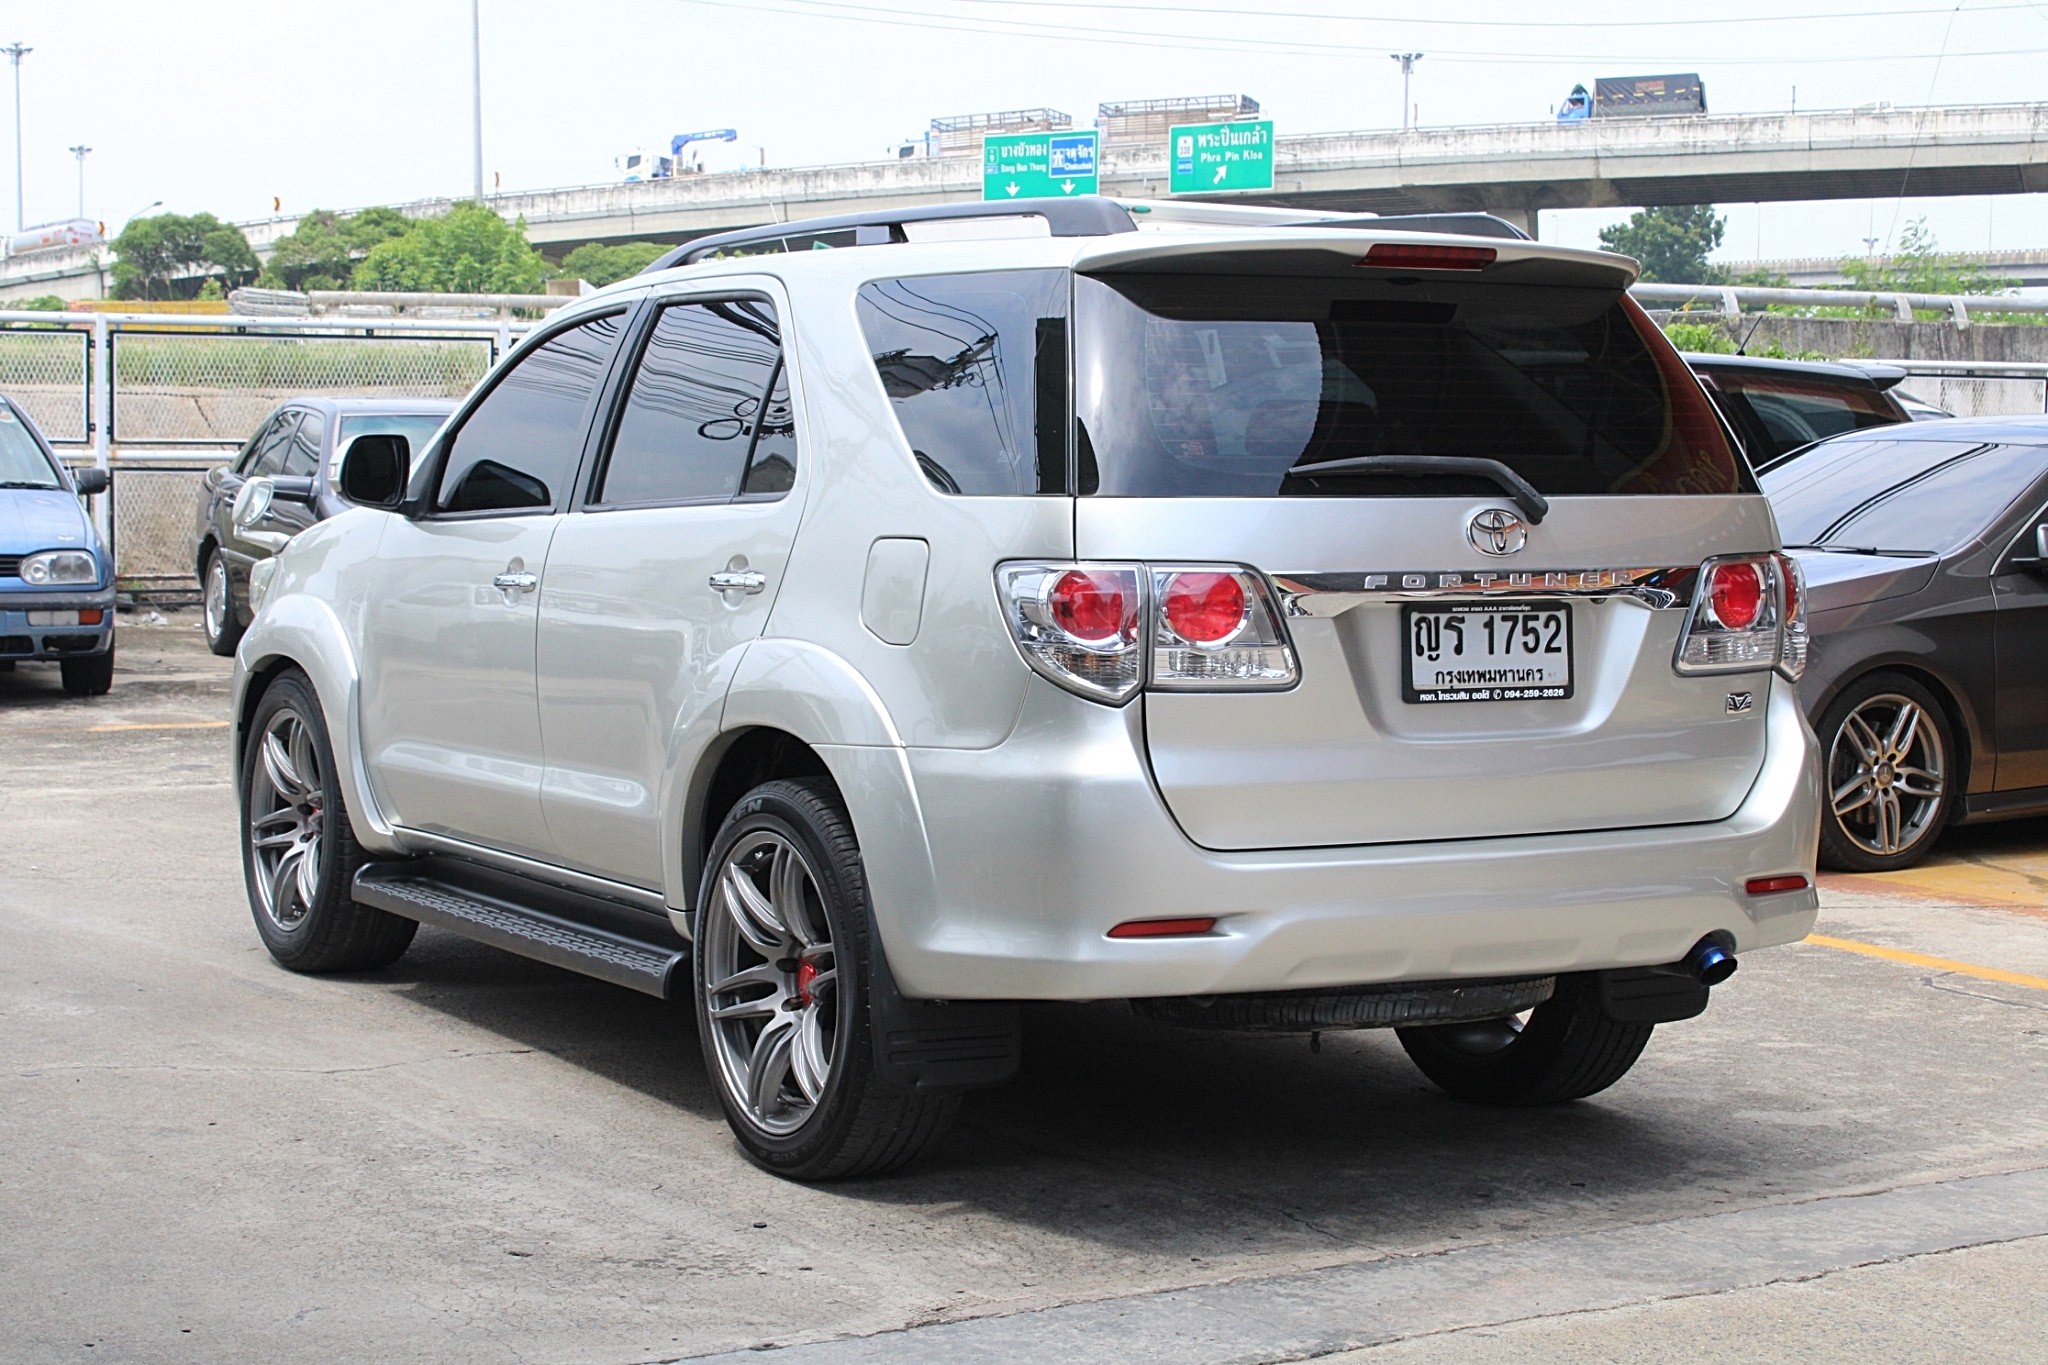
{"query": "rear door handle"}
{"type": "Point", "coordinates": [743, 580]}
{"type": "Point", "coordinates": [516, 582]}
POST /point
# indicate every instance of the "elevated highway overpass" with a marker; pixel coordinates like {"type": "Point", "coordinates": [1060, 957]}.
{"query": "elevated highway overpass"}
{"type": "Point", "coordinates": [1515, 170]}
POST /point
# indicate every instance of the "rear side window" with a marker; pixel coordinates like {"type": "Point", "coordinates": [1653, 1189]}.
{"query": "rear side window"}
{"type": "Point", "coordinates": [302, 456]}
{"type": "Point", "coordinates": [975, 367]}
{"type": "Point", "coordinates": [1223, 386]}
{"type": "Point", "coordinates": [696, 406]}
{"type": "Point", "coordinates": [521, 443]}
{"type": "Point", "coordinates": [268, 456]}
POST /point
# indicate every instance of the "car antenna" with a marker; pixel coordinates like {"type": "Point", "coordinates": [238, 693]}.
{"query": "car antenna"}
{"type": "Point", "coordinates": [1742, 346]}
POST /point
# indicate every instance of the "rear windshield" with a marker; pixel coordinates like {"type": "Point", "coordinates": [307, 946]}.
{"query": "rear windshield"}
{"type": "Point", "coordinates": [1789, 410]}
{"type": "Point", "coordinates": [1217, 386]}
{"type": "Point", "coordinates": [1904, 496]}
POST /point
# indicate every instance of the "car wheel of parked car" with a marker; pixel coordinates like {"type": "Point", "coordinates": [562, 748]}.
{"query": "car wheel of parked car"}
{"type": "Point", "coordinates": [299, 853]}
{"type": "Point", "coordinates": [223, 629]}
{"type": "Point", "coordinates": [92, 676]}
{"type": "Point", "coordinates": [782, 993]}
{"type": "Point", "coordinates": [1564, 1049]}
{"type": "Point", "coordinates": [1891, 774]}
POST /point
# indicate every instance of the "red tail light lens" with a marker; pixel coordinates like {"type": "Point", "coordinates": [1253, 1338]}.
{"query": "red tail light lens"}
{"type": "Point", "coordinates": [1204, 608]}
{"type": "Point", "coordinates": [1418, 256]}
{"type": "Point", "coordinates": [1094, 608]}
{"type": "Point", "coordinates": [1737, 592]}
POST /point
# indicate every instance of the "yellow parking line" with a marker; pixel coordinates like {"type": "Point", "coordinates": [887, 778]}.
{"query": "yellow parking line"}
{"type": "Point", "coordinates": [1940, 964]}
{"type": "Point", "coordinates": [160, 725]}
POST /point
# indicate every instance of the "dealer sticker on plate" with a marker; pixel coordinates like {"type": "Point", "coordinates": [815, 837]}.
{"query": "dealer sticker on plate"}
{"type": "Point", "coordinates": [1487, 651]}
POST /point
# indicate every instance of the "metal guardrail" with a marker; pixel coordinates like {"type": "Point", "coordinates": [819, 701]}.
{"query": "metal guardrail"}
{"type": "Point", "coordinates": [1729, 300]}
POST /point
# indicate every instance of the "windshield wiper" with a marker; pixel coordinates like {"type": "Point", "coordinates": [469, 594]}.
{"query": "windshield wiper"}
{"type": "Point", "coordinates": [1418, 466]}
{"type": "Point", "coordinates": [24, 483]}
{"type": "Point", "coordinates": [1865, 550]}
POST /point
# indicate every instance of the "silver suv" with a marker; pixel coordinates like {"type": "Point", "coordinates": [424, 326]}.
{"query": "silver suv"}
{"type": "Point", "coordinates": [1279, 622]}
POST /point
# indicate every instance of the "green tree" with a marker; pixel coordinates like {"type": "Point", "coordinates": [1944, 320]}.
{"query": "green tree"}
{"type": "Point", "coordinates": [1672, 241]}
{"type": "Point", "coordinates": [41, 303]}
{"type": "Point", "coordinates": [1919, 266]}
{"type": "Point", "coordinates": [468, 250]}
{"type": "Point", "coordinates": [322, 252]}
{"type": "Point", "coordinates": [600, 264]}
{"type": "Point", "coordinates": [171, 255]}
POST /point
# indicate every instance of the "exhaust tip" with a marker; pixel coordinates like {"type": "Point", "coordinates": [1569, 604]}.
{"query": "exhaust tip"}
{"type": "Point", "coordinates": [1710, 963]}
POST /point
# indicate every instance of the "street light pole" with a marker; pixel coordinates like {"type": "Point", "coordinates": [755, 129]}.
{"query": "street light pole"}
{"type": "Point", "coordinates": [476, 85]}
{"type": "Point", "coordinates": [17, 52]}
{"type": "Point", "coordinates": [1407, 61]}
{"type": "Point", "coordinates": [79, 151]}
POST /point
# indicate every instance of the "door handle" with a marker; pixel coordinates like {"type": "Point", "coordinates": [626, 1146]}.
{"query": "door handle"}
{"type": "Point", "coordinates": [742, 580]}
{"type": "Point", "coordinates": [520, 581]}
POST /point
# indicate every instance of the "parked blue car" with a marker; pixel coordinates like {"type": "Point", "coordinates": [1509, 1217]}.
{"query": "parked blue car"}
{"type": "Point", "coordinates": [56, 578]}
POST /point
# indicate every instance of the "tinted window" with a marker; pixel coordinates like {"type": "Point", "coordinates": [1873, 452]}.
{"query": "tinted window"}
{"type": "Point", "coordinates": [1898, 495]}
{"type": "Point", "coordinates": [519, 446]}
{"type": "Point", "coordinates": [416, 428]}
{"type": "Point", "coordinates": [771, 469]}
{"type": "Point", "coordinates": [1220, 386]}
{"type": "Point", "coordinates": [268, 457]}
{"type": "Point", "coordinates": [976, 369]}
{"type": "Point", "coordinates": [1796, 410]}
{"type": "Point", "coordinates": [22, 462]}
{"type": "Point", "coordinates": [695, 404]}
{"type": "Point", "coordinates": [302, 456]}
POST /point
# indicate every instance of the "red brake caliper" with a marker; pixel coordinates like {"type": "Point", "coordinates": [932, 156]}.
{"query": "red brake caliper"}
{"type": "Point", "coordinates": [806, 973]}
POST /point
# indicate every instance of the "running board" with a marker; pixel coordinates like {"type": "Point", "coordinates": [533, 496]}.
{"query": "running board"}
{"type": "Point", "coordinates": [546, 923]}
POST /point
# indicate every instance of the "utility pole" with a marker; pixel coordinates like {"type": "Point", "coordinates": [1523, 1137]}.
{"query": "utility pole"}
{"type": "Point", "coordinates": [17, 52]}
{"type": "Point", "coordinates": [1407, 61]}
{"type": "Point", "coordinates": [79, 151]}
{"type": "Point", "coordinates": [476, 85]}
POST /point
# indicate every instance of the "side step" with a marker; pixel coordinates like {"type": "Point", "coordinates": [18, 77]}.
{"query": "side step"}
{"type": "Point", "coordinates": [546, 923]}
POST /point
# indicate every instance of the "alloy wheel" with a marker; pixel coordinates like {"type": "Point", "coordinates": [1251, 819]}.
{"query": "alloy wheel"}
{"type": "Point", "coordinates": [1887, 774]}
{"type": "Point", "coordinates": [772, 982]}
{"type": "Point", "coordinates": [216, 602]}
{"type": "Point", "coordinates": [285, 801]}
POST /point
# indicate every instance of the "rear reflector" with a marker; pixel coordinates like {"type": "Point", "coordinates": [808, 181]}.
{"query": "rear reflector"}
{"type": "Point", "coordinates": [1162, 928]}
{"type": "Point", "coordinates": [1771, 886]}
{"type": "Point", "coordinates": [1421, 256]}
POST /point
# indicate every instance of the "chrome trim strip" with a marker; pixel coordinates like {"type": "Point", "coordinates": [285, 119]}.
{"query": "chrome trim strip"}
{"type": "Point", "coordinates": [1330, 594]}
{"type": "Point", "coordinates": [420, 841]}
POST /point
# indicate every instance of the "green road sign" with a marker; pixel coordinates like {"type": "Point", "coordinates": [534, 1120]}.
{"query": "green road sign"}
{"type": "Point", "coordinates": [1212, 158]}
{"type": "Point", "coordinates": [1038, 165]}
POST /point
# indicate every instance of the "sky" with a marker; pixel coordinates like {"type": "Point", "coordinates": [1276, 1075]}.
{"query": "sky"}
{"type": "Point", "coordinates": [223, 105]}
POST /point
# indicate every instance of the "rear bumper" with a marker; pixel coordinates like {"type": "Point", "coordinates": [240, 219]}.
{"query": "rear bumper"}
{"type": "Point", "coordinates": [1037, 847]}
{"type": "Point", "coordinates": [25, 635]}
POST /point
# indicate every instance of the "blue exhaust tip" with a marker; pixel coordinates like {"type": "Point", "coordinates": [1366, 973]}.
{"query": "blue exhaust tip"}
{"type": "Point", "coordinates": [1710, 963]}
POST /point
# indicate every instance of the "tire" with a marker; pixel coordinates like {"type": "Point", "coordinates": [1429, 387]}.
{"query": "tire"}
{"type": "Point", "coordinates": [782, 934]}
{"type": "Point", "coordinates": [1566, 1050]}
{"type": "Point", "coordinates": [299, 853]}
{"type": "Point", "coordinates": [217, 602]}
{"type": "Point", "coordinates": [1892, 770]}
{"type": "Point", "coordinates": [92, 676]}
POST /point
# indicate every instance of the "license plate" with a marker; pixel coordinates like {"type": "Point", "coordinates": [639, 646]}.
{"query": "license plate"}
{"type": "Point", "coordinates": [1487, 651]}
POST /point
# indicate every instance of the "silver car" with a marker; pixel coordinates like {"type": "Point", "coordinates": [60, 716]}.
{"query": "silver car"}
{"type": "Point", "coordinates": [1277, 622]}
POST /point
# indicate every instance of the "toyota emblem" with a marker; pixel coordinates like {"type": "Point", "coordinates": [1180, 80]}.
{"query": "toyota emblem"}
{"type": "Point", "coordinates": [1497, 531]}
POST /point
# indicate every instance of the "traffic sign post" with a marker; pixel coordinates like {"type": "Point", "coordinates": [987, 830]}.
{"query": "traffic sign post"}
{"type": "Point", "coordinates": [1039, 165]}
{"type": "Point", "coordinates": [1215, 158]}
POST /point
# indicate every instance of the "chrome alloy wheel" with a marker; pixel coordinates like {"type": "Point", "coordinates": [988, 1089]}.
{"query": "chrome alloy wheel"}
{"type": "Point", "coordinates": [285, 822]}
{"type": "Point", "coordinates": [1887, 774]}
{"type": "Point", "coordinates": [772, 974]}
{"type": "Point", "coordinates": [217, 603]}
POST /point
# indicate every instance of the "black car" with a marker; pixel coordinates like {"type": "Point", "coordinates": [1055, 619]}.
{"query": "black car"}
{"type": "Point", "coordinates": [1925, 549]}
{"type": "Point", "coordinates": [298, 448]}
{"type": "Point", "coordinates": [1777, 406]}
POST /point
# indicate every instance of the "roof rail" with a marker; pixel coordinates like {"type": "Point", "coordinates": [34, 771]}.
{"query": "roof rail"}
{"type": "Point", "coordinates": [1082, 216]}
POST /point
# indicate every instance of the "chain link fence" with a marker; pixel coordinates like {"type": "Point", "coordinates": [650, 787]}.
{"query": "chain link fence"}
{"type": "Point", "coordinates": [181, 388]}
{"type": "Point", "coordinates": [1966, 396]}
{"type": "Point", "coordinates": [154, 508]}
{"type": "Point", "coordinates": [45, 372]}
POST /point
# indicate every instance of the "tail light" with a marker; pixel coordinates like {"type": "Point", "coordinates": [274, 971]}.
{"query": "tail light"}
{"type": "Point", "coordinates": [1103, 631]}
{"type": "Point", "coordinates": [1749, 613]}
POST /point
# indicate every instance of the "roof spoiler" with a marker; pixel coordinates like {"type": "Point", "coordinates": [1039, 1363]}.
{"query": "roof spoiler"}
{"type": "Point", "coordinates": [1083, 216]}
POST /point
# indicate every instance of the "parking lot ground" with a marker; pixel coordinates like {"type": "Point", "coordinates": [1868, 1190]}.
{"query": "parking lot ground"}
{"type": "Point", "coordinates": [472, 1157]}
